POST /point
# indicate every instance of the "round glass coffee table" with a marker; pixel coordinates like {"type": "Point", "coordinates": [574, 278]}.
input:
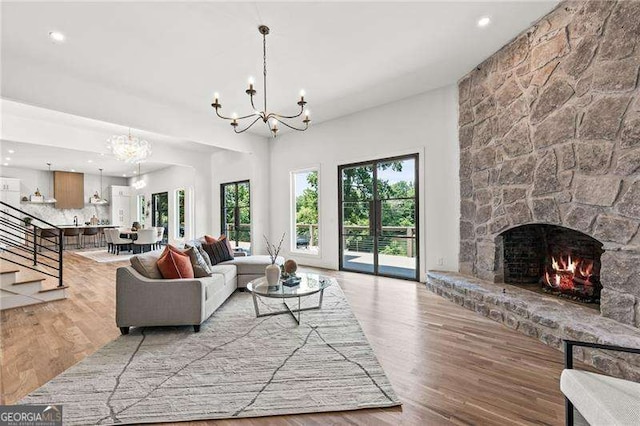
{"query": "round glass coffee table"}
{"type": "Point", "coordinates": [309, 284]}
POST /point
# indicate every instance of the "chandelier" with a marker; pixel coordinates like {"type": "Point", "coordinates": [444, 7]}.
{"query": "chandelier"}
{"type": "Point", "coordinates": [271, 119]}
{"type": "Point", "coordinates": [129, 149]}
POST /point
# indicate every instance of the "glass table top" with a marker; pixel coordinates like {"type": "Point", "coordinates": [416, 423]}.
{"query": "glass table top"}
{"type": "Point", "coordinates": [309, 284]}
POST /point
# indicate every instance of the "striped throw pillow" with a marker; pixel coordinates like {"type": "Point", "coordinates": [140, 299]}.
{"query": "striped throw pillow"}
{"type": "Point", "coordinates": [218, 251]}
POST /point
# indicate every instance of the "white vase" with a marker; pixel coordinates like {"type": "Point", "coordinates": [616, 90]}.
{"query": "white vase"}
{"type": "Point", "coordinates": [272, 272]}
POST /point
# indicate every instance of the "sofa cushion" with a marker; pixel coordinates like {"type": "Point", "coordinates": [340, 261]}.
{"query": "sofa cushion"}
{"type": "Point", "coordinates": [602, 400]}
{"type": "Point", "coordinates": [200, 267]}
{"type": "Point", "coordinates": [173, 265]}
{"type": "Point", "coordinates": [218, 252]}
{"type": "Point", "coordinates": [229, 271]}
{"type": "Point", "coordinates": [252, 265]}
{"type": "Point", "coordinates": [147, 265]}
{"type": "Point", "coordinates": [212, 285]}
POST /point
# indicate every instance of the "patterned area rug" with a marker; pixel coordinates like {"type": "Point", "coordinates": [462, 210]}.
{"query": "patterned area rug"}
{"type": "Point", "coordinates": [237, 366]}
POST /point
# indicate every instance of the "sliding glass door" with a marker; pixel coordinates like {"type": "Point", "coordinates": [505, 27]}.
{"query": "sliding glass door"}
{"type": "Point", "coordinates": [236, 213]}
{"type": "Point", "coordinates": [379, 217]}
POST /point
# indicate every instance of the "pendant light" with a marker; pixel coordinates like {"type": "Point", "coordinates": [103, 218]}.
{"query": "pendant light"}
{"type": "Point", "coordinates": [140, 183]}
{"type": "Point", "coordinates": [49, 199]}
{"type": "Point", "coordinates": [101, 200]}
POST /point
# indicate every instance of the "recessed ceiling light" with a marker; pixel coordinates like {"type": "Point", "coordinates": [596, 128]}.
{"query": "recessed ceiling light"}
{"type": "Point", "coordinates": [124, 175]}
{"type": "Point", "coordinates": [5, 164]}
{"type": "Point", "coordinates": [89, 161]}
{"type": "Point", "coordinates": [135, 173]}
{"type": "Point", "coordinates": [73, 170]}
{"type": "Point", "coordinates": [484, 21]}
{"type": "Point", "coordinates": [11, 151]}
{"type": "Point", "coordinates": [56, 36]}
{"type": "Point", "coordinates": [8, 158]}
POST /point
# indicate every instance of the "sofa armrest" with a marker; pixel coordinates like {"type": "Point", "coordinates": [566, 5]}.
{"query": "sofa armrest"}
{"type": "Point", "coordinates": [142, 301]}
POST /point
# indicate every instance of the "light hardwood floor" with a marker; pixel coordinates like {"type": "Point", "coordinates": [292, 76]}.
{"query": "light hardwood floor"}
{"type": "Point", "coordinates": [447, 364]}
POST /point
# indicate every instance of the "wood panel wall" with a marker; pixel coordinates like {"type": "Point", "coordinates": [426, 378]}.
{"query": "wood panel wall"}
{"type": "Point", "coordinates": [68, 189]}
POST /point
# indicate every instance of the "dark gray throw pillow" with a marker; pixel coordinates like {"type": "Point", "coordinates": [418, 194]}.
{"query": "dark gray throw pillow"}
{"type": "Point", "coordinates": [218, 251]}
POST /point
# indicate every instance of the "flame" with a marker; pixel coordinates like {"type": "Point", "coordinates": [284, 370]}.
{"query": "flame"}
{"type": "Point", "coordinates": [565, 271]}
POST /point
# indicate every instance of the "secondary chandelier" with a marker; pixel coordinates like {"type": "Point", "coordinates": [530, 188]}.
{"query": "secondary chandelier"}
{"type": "Point", "coordinates": [271, 119]}
{"type": "Point", "coordinates": [129, 149]}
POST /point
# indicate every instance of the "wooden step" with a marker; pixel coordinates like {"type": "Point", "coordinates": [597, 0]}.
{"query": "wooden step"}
{"type": "Point", "coordinates": [44, 290]}
{"type": "Point", "coordinates": [9, 270]}
{"type": "Point", "coordinates": [28, 280]}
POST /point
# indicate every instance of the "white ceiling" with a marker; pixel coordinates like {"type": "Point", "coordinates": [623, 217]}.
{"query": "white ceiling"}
{"type": "Point", "coordinates": [346, 56]}
{"type": "Point", "coordinates": [34, 156]}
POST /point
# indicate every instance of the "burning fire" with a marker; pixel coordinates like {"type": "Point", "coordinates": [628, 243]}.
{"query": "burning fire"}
{"type": "Point", "coordinates": [569, 274]}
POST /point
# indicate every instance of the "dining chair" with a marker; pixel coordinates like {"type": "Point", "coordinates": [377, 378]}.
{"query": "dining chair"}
{"type": "Point", "coordinates": [120, 243]}
{"type": "Point", "coordinates": [160, 236]}
{"type": "Point", "coordinates": [108, 239]}
{"type": "Point", "coordinates": [146, 238]}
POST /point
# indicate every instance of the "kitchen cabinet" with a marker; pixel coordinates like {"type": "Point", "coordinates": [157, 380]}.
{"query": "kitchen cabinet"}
{"type": "Point", "coordinates": [120, 203]}
{"type": "Point", "coordinates": [10, 185]}
{"type": "Point", "coordinates": [68, 190]}
{"type": "Point", "coordinates": [10, 194]}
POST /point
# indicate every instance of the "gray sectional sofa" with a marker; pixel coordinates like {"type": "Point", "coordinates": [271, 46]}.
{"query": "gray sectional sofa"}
{"type": "Point", "coordinates": [144, 298]}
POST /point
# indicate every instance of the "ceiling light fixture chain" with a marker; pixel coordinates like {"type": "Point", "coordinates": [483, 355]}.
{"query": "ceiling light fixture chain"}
{"type": "Point", "coordinates": [271, 119]}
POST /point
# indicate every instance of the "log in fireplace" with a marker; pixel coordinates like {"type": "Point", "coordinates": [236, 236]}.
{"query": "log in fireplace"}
{"type": "Point", "coordinates": [553, 259]}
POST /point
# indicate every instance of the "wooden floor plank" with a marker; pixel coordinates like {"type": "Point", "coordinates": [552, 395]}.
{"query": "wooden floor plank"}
{"type": "Point", "coordinates": [447, 364]}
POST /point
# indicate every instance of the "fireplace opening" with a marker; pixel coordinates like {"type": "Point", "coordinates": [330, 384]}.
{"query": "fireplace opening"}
{"type": "Point", "coordinates": [553, 259]}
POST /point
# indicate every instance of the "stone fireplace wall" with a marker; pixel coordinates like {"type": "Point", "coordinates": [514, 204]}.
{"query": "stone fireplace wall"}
{"type": "Point", "coordinates": [550, 133]}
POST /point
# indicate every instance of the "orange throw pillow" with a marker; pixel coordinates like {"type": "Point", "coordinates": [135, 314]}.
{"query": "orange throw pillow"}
{"type": "Point", "coordinates": [210, 240]}
{"type": "Point", "coordinates": [174, 264]}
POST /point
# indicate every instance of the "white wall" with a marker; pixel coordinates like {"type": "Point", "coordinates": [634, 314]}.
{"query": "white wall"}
{"type": "Point", "coordinates": [31, 179]}
{"type": "Point", "coordinates": [229, 166]}
{"type": "Point", "coordinates": [196, 183]}
{"type": "Point", "coordinates": [426, 124]}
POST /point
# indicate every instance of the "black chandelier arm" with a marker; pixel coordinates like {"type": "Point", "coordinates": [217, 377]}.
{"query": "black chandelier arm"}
{"type": "Point", "coordinates": [237, 118]}
{"type": "Point", "coordinates": [306, 126]}
{"type": "Point", "coordinates": [252, 105]}
{"type": "Point", "coordinates": [235, 128]}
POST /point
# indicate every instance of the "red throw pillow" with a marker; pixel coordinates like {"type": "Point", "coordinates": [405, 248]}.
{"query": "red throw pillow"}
{"type": "Point", "coordinates": [173, 264]}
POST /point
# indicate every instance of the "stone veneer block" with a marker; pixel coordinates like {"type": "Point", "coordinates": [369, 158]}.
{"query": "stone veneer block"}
{"type": "Point", "coordinates": [597, 191]}
{"type": "Point", "coordinates": [547, 318]}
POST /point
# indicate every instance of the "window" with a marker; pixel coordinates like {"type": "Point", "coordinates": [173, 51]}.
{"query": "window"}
{"type": "Point", "coordinates": [180, 213]}
{"type": "Point", "coordinates": [160, 213]}
{"type": "Point", "coordinates": [140, 209]}
{"type": "Point", "coordinates": [305, 233]}
{"type": "Point", "coordinates": [235, 218]}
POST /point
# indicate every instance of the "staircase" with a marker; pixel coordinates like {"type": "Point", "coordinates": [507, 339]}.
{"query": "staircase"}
{"type": "Point", "coordinates": [30, 259]}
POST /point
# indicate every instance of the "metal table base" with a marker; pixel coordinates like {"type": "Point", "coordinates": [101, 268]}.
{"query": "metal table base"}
{"type": "Point", "coordinates": [290, 311]}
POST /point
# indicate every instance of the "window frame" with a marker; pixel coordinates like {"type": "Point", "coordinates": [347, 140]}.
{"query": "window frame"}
{"type": "Point", "coordinates": [293, 232]}
{"type": "Point", "coordinates": [176, 219]}
{"type": "Point", "coordinates": [223, 212]}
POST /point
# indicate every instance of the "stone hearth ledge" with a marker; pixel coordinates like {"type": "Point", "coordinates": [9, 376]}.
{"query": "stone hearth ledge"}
{"type": "Point", "coordinates": [546, 318]}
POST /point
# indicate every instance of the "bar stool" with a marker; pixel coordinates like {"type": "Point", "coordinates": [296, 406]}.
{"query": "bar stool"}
{"type": "Point", "coordinates": [48, 234]}
{"type": "Point", "coordinates": [70, 233]}
{"type": "Point", "coordinates": [90, 232]}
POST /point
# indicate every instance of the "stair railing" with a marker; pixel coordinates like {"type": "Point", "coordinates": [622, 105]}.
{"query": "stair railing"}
{"type": "Point", "coordinates": [30, 242]}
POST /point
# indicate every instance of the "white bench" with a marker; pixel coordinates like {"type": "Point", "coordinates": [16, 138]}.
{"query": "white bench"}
{"type": "Point", "coordinates": [599, 399]}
